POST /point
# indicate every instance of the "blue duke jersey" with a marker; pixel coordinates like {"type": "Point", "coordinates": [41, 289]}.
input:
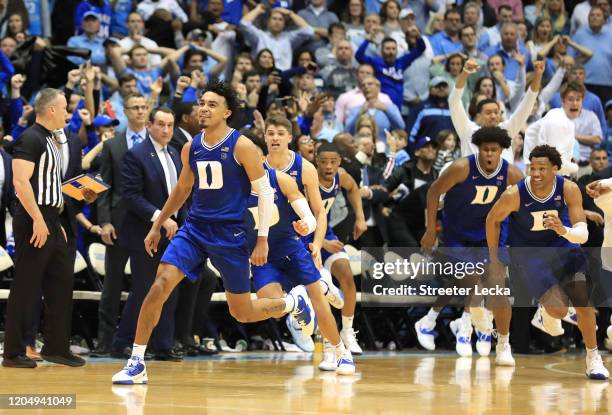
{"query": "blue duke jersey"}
{"type": "Point", "coordinates": [467, 204]}
{"type": "Point", "coordinates": [294, 170]}
{"type": "Point", "coordinates": [328, 196]}
{"type": "Point", "coordinates": [221, 186]}
{"type": "Point", "coordinates": [527, 224]}
{"type": "Point", "coordinates": [282, 239]}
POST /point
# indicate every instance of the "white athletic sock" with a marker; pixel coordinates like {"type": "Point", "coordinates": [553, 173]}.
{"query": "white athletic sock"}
{"type": "Point", "coordinates": [347, 322]}
{"type": "Point", "coordinates": [591, 353]}
{"type": "Point", "coordinates": [432, 314]}
{"type": "Point", "coordinates": [289, 304]}
{"type": "Point", "coordinates": [339, 349]}
{"type": "Point", "coordinates": [503, 338]}
{"type": "Point", "coordinates": [138, 350]}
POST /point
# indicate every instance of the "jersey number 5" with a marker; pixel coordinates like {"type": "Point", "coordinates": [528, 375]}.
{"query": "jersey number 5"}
{"type": "Point", "coordinates": [210, 175]}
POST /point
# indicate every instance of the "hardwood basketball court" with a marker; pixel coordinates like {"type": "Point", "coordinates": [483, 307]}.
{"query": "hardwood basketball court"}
{"type": "Point", "coordinates": [290, 383]}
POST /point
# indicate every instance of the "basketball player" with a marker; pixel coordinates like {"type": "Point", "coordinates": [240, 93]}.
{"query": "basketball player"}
{"type": "Point", "coordinates": [289, 262]}
{"type": "Point", "coordinates": [545, 210]}
{"type": "Point", "coordinates": [335, 259]}
{"type": "Point", "coordinates": [223, 169]}
{"type": "Point", "coordinates": [281, 158]}
{"type": "Point", "coordinates": [472, 185]}
{"type": "Point", "coordinates": [306, 176]}
{"type": "Point", "coordinates": [601, 191]}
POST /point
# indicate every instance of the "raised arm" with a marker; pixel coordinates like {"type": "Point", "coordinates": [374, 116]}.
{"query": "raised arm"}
{"type": "Point", "coordinates": [460, 119]}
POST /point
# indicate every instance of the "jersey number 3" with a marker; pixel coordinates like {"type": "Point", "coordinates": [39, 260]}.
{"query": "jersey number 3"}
{"type": "Point", "coordinates": [210, 175]}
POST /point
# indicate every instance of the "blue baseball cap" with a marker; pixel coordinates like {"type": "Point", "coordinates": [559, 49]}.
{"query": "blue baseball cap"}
{"type": "Point", "coordinates": [105, 121]}
{"type": "Point", "coordinates": [423, 141]}
{"type": "Point", "coordinates": [91, 13]}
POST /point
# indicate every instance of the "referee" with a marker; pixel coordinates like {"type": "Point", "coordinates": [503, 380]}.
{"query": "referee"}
{"type": "Point", "coordinates": [42, 258]}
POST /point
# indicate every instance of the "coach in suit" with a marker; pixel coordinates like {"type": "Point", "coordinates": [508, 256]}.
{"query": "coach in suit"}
{"type": "Point", "coordinates": [149, 173]}
{"type": "Point", "coordinates": [110, 216]}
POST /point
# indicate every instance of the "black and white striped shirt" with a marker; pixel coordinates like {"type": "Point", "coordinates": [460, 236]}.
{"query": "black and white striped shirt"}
{"type": "Point", "coordinates": [38, 145]}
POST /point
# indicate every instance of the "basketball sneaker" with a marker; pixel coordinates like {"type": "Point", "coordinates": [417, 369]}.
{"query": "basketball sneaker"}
{"type": "Point", "coordinates": [596, 369]}
{"type": "Point", "coordinates": [571, 317]}
{"type": "Point", "coordinates": [328, 364]}
{"type": "Point", "coordinates": [332, 293]}
{"type": "Point", "coordinates": [425, 332]}
{"type": "Point", "coordinates": [134, 373]}
{"type": "Point", "coordinates": [462, 329]}
{"type": "Point", "coordinates": [503, 353]}
{"type": "Point", "coordinates": [349, 337]}
{"type": "Point", "coordinates": [302, 310]}
{"type": "Point", "coordinates": [345, 364]}
{"type": "Point", "coordinates": [482, 319]}
{"type": "Point", "coordinates": [545, 322]}
{"type": "Point", "coordinates": [300, 338]}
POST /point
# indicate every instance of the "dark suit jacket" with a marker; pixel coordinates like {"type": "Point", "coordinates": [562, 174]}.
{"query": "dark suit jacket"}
{"type": "Point", "coordinates": [109, 202]}
{"type": "Point", "coordinates": [373, 207]}
{"type": "Point", "coordinates": [71, 206]}
{"type": "Point", "coordinates": [178, 140]}
{"type": "Point", "coordinates": [144, 191]}
{"type": "Point", "coordinates": [8, 194]}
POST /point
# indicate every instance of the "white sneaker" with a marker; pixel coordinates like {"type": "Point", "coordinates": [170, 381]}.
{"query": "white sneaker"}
{"type": "Point", "coordinates": [503, 356]}
{"type": "Point", "coordinates": [462, 329]}
{"type": "Point", "coordinates": [134, 373]}
{"type": "Point", "coordinates": [345, 363]}
{"type": "Point", "coordinates": [328, 364]}
{"type": "Point", "coordinates": [571, 317]}
{"type": "Point", "coordinates": [608, 341]}
{"type": "Point", "coordinates": [425, 333]}
{"type": "Point", "coordinates": [482, 319]}
{"type": "Point", "coordinates": [543, 321]}
{"type": "Point", "coordinates": [350, 340]}
{"type": "Point", "coordinates": [596, 369]}
{"type": "Point", "coordinates": [300, 338]}
{"type": "Point", "coordinates": [332, 293]}
{"type": "Point", "coordinates": [303, 311]}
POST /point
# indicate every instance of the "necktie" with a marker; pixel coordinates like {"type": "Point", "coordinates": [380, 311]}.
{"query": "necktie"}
{"type": "Point", "coordinates": [136, 139]}
{"type": "Point", "coordinates": [171, 169]}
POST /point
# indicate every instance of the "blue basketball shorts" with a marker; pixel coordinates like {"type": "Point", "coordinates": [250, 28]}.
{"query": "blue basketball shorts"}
{"type": "Point", "coordinates": [289, 271]}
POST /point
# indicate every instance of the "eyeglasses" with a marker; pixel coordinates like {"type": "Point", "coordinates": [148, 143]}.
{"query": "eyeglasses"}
{"type": "Point", "coordinates": [137, 107]}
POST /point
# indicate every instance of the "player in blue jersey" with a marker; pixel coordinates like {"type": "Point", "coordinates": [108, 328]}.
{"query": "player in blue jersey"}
{"type": "Point", "coordinates": [223, 169]}
{"type": "Point", "coordinates": [281, 158]}
{"type": "Point", "coordinates": [472, 186]}
{"type": "Point", "coordinates": [546, 211]}
{"type": "Point", "coordinates": [289, 262]}
{"type": "Point", "coordinates": [335, 259]}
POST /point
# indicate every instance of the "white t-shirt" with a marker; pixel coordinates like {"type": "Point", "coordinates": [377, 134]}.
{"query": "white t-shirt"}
{"type": "Point", "coordinates": [556, 130]}
{"type": "Point", "coordinates": [604, 202]}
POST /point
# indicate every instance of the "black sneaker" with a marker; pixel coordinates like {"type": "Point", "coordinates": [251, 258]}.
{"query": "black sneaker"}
{"type": "Point", "coordinates": [21, 361]}
{"type": "Point", "coordinates": [67, 359]}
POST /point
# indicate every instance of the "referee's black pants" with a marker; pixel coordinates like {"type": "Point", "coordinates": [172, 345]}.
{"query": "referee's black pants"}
{"type": "Point", "coordinates": [48, 269]}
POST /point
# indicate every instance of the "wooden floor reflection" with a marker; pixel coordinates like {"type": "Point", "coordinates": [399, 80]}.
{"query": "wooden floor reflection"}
{"type": "Point", "coordinates": [266, 383]}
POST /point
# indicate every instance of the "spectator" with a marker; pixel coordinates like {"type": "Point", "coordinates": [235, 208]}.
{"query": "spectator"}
{"type": "Point", "coordinates": [416, 76]}
{"type": "Point", "coordinates": [230, 10]}
{"type": "Point", "coordinates": [542, 39]}
{"type": "Point", "coordinates": [422, 9]}
{"type": "Point", "coordinates": [449, 149]}
{"type": "Point", "coordinates": [319, 18]}
{"type": "Point", "coordinates": [355, 97]}
{"type": "Point", "coordinates": [8, 46]}
{"type": "Point", "coordinates": [386, 116]}
{"type": "Point", "coordinates": [433, 115]}
{"type": "Point", "coordinates": [599, 67]}
{"type": "Point", "coordinates": [148, 8]}
{"type": "Point", "coordinates": [127, 86]}
{"type": "Point", "coordinates": [473, 17]}
{"type": "Point", "coordinates": [101, 8]}
{"type": "Point", "coordinates": [389, 16]}
{"type": "Point", "coordinates": [591, 102]}
{"type": "Point", "coordinates": [390, 69]}
{"type": "Point", "coordinates": [373, 30]}
{"type": "Point", "coordinates": [136, 26]}
{"type": "Point", "coordinates": [469, 40]}
{"type": "Point", "coordinates": [16, 26]}
{"type": "Point", "coordinates": [448, 41]}
{"type": "Point", "coordinates": [608, 130]}
{"type": "Point", "coordinates": [515, 6]}
{"type": "Point", "coordinates": [508, 92]}
{"type": "Point", "coordinates": [491, 37]}
{"type": "Point", "coordinates": [119, 18]}
{"type": "Point", "coordinates": [555, 11]}
{"type": "Point", "coordinates": [508, 50]}
{"type": "Point", "coordinates": [280, 42]}
{"type": "Point", "coordinates": [449, 70]}
{"type": "Point", "coordinates": [580, 15]}
{"type": "Point", "coordinates": [589, 136]}
{"type": "Point", "coordinates": [336, 33]}
{"type": "Point", "coordinates": [353, 19]}
{"type": "Point", "coordinates": [89, 40]}
{"type": "Point", "coordinates": [340, 75]}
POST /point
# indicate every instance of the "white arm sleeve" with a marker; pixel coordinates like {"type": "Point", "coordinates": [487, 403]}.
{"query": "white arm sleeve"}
{"type": "Point", "coordinates": [300, 206]}
{"type": "Point", "coordinates": [265, 203]}
{"type": "Point", "coordinates": [578, 233]}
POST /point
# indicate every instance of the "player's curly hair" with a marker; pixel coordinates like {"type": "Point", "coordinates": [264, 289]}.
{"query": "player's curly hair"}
{"type": "Point", "coordinates": [549, 152]}
{"type": "Point", "coordinates": [492, 135]}
{"type": "Point", "coordinates": [225, 90]}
